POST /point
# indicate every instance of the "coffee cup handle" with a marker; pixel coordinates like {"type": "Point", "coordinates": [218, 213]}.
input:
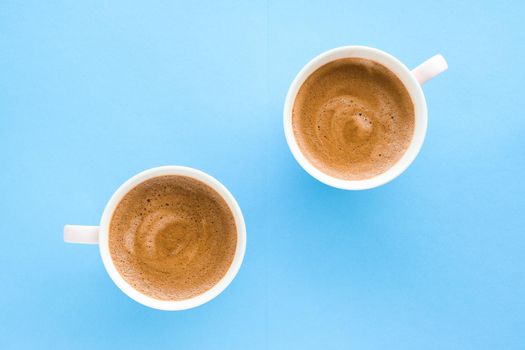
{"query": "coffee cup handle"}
{"type": "Point", "coordinates": [81, 234]}
{"type": "Point", "coordinates": [430, 68]}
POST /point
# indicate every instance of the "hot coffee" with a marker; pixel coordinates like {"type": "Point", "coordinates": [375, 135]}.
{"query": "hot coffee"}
{"type": "Point", "coordinates": [172, 237]}
{"type": "Point", "coordinates": [353, 118]}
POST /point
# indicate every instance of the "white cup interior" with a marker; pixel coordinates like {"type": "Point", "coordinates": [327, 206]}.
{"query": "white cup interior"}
{"type": "Point", "coordinates": [416, 94]}
{"type": "Point", "coordinates": [177, 304]}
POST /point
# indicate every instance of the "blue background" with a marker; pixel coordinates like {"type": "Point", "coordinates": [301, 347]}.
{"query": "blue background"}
{"type": "Point", "coordinates": [93, 92]}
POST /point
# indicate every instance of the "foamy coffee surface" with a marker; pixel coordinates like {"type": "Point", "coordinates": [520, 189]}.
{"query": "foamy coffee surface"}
{"type": "Point", "coordinates": [172, 237]}
{"type": "Point", "coordinates": [353, 118]}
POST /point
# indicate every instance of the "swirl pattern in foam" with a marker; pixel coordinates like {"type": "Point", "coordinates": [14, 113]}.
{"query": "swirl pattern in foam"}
{"type": "Point", "coordinates": [353, 118]}
{"type": "Point", "coordinates": [172, 237]}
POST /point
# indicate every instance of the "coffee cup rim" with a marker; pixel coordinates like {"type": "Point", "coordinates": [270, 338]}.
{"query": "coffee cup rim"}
{"type": "Point", "coordinates": [409, 81]}
{"type": "Point", "coordinates": [172, 305]}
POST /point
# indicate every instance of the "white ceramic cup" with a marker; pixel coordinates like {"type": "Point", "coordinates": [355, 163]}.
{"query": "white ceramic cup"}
{"type": "Point", "coordinates": [412, 81]}
{"type": "Point", "coordinates": [99, 235]}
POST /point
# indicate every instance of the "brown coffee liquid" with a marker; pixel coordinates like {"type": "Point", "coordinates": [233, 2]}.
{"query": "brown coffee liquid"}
{"type": "Point", "coordinates": [353, 118]}
{"type": "Point", "coordinates": [172, 237]}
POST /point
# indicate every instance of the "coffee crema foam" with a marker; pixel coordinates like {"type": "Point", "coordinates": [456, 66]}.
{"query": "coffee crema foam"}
{"type": "Point", "coordinates": [353, 118]}
{"type": "Point", "coordinates": [172, 237]}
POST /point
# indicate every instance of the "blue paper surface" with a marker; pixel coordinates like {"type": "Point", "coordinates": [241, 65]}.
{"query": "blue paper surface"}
{"type": "Point", "coordinates": [92, 92]}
